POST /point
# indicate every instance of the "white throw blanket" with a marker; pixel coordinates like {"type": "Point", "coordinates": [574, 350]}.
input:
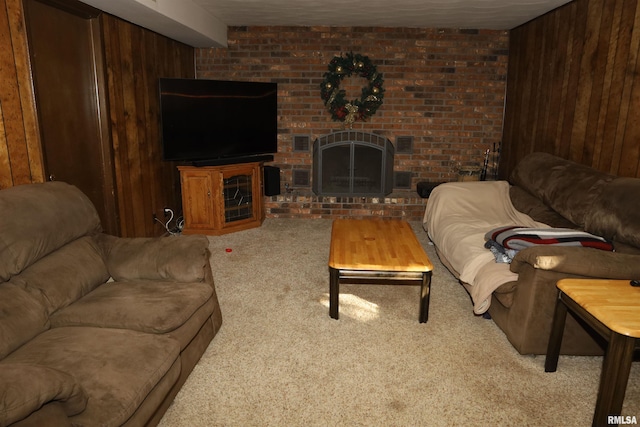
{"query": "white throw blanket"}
{"type": "Point", "coordinates": [457, 217]}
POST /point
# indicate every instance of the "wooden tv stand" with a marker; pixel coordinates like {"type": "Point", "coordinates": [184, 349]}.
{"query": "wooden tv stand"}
{"type": "Point", "coordinates": [221, 199]}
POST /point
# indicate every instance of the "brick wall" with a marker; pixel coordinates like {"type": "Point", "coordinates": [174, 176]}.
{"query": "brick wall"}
{"type": "Point", "coordinates": [444, 88]}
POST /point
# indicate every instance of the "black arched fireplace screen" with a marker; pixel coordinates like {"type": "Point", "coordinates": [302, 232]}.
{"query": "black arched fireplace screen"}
{"type": "Point", "coordinates": [351, 163]}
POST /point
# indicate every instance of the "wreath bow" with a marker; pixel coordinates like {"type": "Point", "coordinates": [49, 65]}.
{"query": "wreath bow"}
{"type": "Point", "coordinates": [334, 98]}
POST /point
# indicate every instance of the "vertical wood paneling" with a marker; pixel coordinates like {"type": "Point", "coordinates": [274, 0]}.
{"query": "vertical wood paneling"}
{"type": "Point", "coordinates": [608, 83]}
{"type": "Point", "coordinates": [20, 152]}
{"type": "Point", "coordinates": [576, 48]}
{"type": "Point", "coordinates": [557, 40]}
{"type": "Point", "coordinates": [621, 39]}
{"type": "Point", "coordinates": [573, 87]}
{"type": "Point", "coordinates": [548, 45]}
{"type": "Point", "coordinates": [136, 58]}
{"type": "Point", "coordinates": [5, 166]}
{"type": "Point", "coordinates": [115, 95]}
{"type": "Point", "coordinates": [592, 102]}
{"type": "Point", "coordinates": [629, 159]}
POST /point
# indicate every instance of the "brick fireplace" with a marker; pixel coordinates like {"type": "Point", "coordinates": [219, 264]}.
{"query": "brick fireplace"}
{"type": "Point", "coordinates": [443, 105]}
{"type": "Point", "coordinates": [352, 176]}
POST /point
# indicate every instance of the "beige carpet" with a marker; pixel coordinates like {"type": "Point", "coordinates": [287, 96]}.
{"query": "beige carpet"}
{"type": "Point", "coordinates": [280, 360]}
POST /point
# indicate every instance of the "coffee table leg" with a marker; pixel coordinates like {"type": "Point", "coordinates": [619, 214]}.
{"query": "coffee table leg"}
{"type": "Point", "coordinates": [425, 290]}
{"type": "Point", "coordinates": [334, 289]}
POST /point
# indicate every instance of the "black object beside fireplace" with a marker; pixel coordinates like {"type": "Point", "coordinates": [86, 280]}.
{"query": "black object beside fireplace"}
{"type": "Point", "coordinates": [352, 163]}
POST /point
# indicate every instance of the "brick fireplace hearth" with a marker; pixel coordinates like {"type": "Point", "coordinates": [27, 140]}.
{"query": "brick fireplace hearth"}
{"type": "Point", "coordinates": [296, 204]}
{"type": "Point", "coordinates": [352, 177]}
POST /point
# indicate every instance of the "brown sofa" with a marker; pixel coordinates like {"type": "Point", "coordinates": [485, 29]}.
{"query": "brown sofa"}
{"type": "Point", "coordinates": [556, 193]}
{"type": "Point", "coordinates": [94, 329]}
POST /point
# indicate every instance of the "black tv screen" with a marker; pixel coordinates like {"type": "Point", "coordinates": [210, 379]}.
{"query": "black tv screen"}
{"type": "Point", "coordinates": [204, 120]}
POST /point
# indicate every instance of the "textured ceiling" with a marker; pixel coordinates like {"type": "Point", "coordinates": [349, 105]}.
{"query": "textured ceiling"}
{"type": "Point", "coordinates": [480, 14]}
{"type": "Point", "coordinates": [203, 23]}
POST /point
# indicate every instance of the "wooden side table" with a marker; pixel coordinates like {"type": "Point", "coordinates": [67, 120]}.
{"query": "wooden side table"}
{"type": "Point", "coordinates": [612, 309]}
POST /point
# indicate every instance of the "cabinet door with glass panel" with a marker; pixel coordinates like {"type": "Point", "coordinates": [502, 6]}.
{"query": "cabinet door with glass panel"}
{"type": "Point", "coordinates": [233, 198]}
{"type": "Point", "coordinates": [241, 195]}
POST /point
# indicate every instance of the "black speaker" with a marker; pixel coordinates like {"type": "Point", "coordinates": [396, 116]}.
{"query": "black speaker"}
{"type": "Point", "coordinates": [271, 181]}
{"type": "Point", "coordinates": [425, 188]}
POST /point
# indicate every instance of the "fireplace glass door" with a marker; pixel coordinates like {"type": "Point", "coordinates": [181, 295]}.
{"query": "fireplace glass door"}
{"type": "Point", "coordinates": [367, 171]}
{"type": "Point", "coordinates": [336, 169]}
{"type": "Point", "coordinates": [352, 163]}
{"type": "Point", "coordinates": [352, 169]}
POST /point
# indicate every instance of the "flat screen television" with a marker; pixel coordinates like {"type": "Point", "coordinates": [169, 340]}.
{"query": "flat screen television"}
{"type": "Point", "coordinates": [215, 121]}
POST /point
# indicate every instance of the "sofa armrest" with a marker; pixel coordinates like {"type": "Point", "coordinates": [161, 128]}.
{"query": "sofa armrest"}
{"type": "Point", "coordinates": [177, 258]}
{"type": "Point", "coordinates": [27, 387]}
{"type": "Point", "coordinates": [587, 262]}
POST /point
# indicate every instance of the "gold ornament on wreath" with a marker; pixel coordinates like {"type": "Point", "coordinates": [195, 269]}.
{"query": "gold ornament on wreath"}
{"type": "Point", "coordinates": [334, 98]}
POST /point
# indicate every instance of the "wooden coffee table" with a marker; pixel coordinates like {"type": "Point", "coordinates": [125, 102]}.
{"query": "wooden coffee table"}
{"type": "Point", "coordinates": [372, 251]}
{"type": "Point", "coordinates": [612, 309]}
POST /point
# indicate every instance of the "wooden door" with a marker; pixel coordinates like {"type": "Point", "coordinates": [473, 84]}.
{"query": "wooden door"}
{"type": "Point", "coordinates": [67, 65]}
{"type": "Point", "coordinates": [198, 199]}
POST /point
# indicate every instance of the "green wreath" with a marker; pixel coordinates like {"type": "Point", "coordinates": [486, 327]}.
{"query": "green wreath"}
{"type": "Point", "coordinates": [334, 98]}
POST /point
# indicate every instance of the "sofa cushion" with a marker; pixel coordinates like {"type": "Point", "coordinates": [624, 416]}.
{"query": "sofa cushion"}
{"type": "Point", "coordinates": [616, 213]}
{"type": "Point", "coordinates": [22, 316]}
{"type": "Point", "coordinates": [117, 368]}
{"type": "Point", "coordinates": [37, 219]}
{"type": "Point", "coordinates": [146, 306]}
{"type": "Point", "coordinates": [526, 203]}
{"type": "Point", "coordinates": [566, 187]}
{"type": "Point", "coordinates": [26, 388]}
{"type": "Point", "coordinates": [178, 258]}
{"type": "Point", "coordinates": [67, 274]}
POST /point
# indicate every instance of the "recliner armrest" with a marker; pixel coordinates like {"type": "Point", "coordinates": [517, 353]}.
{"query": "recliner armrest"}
{"type": "Point", "coordinates": [586, 262]}
{"type": "Point", "coordinates": [178, 258]}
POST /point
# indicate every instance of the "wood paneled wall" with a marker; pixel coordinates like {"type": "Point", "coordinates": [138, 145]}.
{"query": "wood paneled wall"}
{"type": "Point", "coordinates": [20, 150]}
{"type": "Point", "coordinates": [136, 58]}
{"type": "Point", "coordinates": [573, 87]}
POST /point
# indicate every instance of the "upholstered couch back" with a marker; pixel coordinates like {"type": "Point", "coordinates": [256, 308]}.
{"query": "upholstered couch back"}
{"type": "Point", "coordinates": [590, 200]}
{"type": "Point", "coordinates": [38, 219]}
{"type": "Point", "coordinates": [48, 257]}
